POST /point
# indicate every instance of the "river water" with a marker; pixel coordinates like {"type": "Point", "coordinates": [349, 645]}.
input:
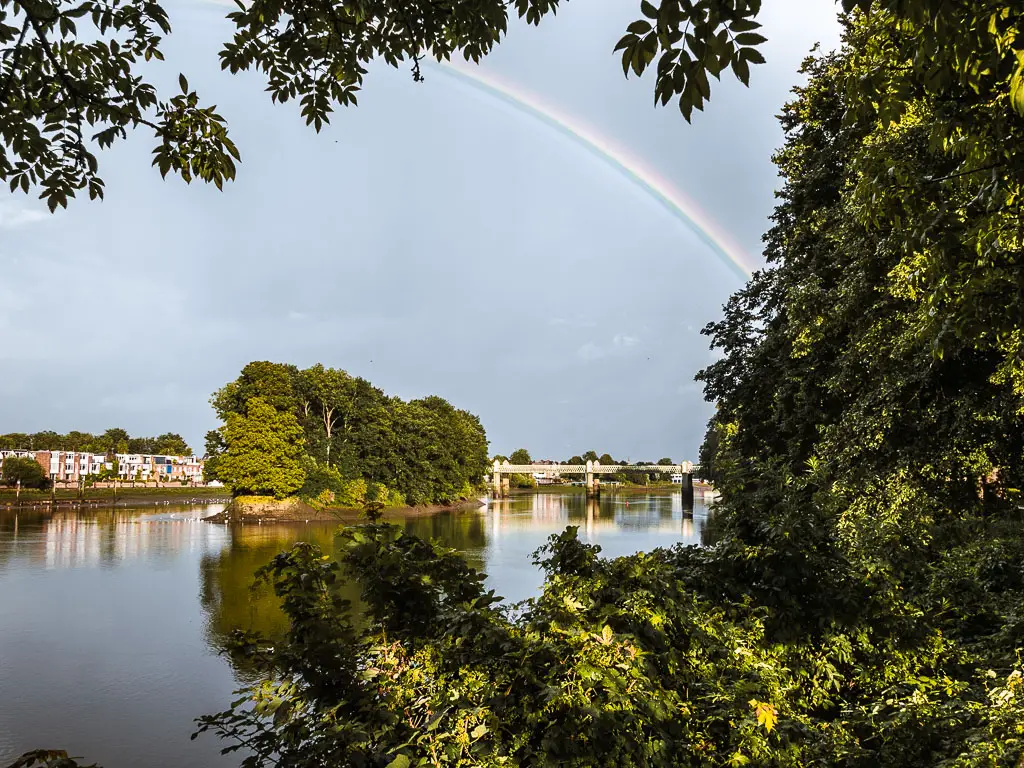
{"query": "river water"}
{"type": "Point", "coordinates": [111, 622]}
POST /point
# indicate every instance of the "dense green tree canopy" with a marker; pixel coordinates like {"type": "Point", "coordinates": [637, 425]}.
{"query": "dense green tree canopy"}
{"type": "Point", "coordinates": [114, 440]}
{"type": "Point", "coordinates": [264, 446]}
{"type": "Point", "coordinates": [520, 456]}
{"type": "Point", "coordinates": [356, 437]}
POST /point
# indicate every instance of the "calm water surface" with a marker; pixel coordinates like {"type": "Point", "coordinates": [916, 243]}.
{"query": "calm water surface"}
{"type": "Point", "coordinates": [111, 622]}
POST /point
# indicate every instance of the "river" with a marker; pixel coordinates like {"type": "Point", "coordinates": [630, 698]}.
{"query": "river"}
{"type": "Point", "coordinates": [111, 622]}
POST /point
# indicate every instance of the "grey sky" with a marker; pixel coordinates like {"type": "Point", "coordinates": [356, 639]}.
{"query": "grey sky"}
{"type": "Point", "coordinates": [434, 240]}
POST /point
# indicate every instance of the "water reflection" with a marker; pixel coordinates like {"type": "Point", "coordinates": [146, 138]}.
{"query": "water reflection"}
{"type": "Point", "coordinates": [102, 538]}
{"type": "Point", "coordinates": [112, 620]}
{"type": "Point", "coordinates": [226, 575]}
{"type": "Point", "coordinates": [620, 524]}
{"type": "Point", "coordinates": [101, 637]}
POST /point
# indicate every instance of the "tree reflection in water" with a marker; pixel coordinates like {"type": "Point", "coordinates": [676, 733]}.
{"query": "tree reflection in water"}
{"type": "Point", "coordinates": [227, 591]}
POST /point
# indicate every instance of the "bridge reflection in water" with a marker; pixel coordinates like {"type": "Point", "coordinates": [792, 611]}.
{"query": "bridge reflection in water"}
{"type": "Point", "coordinates": [621, 524]}
{"type": "Point", "coordinates": [610, 515]}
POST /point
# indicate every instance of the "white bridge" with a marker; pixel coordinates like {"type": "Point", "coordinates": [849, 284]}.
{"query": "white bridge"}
{"type": "Point", "coordinates": [590, 471]}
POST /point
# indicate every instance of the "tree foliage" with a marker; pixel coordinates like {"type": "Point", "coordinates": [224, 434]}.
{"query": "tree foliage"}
{"type": "Point", "coordinates": [28, 472]}
{"type": "Point", "coordinates": [264, 447]}
{"type": "Point", "coordinates": [114, 440]}
{"type": "Point", "coordinates": [520, 456]}
{"type": "Point", "coordinates": [357, 439]}
{"type": "Point", "coordinates": [73, 73]}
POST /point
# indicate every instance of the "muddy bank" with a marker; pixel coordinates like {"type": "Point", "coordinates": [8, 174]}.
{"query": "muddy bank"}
{"type": "Point", "coordinates": [296, 510]}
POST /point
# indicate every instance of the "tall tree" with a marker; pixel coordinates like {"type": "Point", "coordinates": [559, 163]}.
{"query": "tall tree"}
{"type": "Point", "coordinates": [274, 383]}
{"type": "Point", "coordinates": [871, 378]}
{"type": "Point", "coordinates": [520, 456]}
{"type": "Point", "coordinates": [172, 444]}
{"type": "Point", "coordinates": [114, 440]}
{"type": "Point", "coordinates": [326, 396]}
{"type": "Point", "coordinates": [264, 447]}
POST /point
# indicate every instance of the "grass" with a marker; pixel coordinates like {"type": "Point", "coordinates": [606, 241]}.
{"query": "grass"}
{"type": "Point", "coordinates": [29, 496]}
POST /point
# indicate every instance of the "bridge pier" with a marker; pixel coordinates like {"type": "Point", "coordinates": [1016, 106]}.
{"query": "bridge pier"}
{"type": "Point", "coordinates": [499, 481]}
{"type": "Point", "coordinates": [593, 489]}
{"type": "Point", "coordinates": [687, 490]}
{"type": "Point", "coordinates": [496, 479]}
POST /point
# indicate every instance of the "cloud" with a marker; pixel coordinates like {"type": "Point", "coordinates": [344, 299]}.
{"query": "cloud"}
{"type": "Point", "coordinates": [590, 351]}
{"type": "Point", "coordinates": [581, 275]}
{"type": "Point", "coordinates": [619, 344]}
{"type": "Point", "coordinates": [14, 215]}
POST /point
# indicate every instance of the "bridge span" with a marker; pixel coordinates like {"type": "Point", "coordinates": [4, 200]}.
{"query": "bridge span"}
{"type": "Point", "coordinates": [590, 471]}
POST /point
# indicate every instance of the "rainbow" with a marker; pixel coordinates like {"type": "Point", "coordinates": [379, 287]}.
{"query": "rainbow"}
{"type": "Point", "coordinates": [630, 166]}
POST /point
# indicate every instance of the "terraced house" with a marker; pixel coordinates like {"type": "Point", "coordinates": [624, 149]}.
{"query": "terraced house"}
{"type": "Point", "coordinates": [73, 466]}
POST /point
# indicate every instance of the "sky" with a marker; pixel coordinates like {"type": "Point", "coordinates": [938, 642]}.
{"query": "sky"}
{"type": "Point", "coordinates": [436, 239]}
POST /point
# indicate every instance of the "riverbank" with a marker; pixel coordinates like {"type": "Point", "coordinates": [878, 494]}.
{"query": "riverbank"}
{"type": "Point", "coordinates": [109, 497]}
{"type": "Point", "coordinates": [297, 511]}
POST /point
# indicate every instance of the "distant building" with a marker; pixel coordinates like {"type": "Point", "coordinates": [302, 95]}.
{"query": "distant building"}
{"type": "Point", "coordinates": [546, 477]}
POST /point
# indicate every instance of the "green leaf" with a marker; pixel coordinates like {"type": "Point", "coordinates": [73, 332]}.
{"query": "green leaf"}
{"type": "Point", "coordinates": [750, 38]}
{"type": "Point", "coordinates": [183, 83]}
{"type": "Point", "coordinates": [1017, 90]}
{"type": "Point", "coordinates": [400, 761]}
{"type": "Point", "coordinates": [639, 27]}
{"type": "Point", "coordinates": [752, 55]}
{"type": "Point", "coordinates": [744, 25]}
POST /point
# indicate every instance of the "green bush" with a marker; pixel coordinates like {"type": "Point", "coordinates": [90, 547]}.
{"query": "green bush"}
{"type": "Point", "coordinates": [27, 471]}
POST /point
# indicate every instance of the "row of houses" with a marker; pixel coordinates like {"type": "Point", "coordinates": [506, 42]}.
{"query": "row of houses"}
{"type": "Point", "coordinates": [73, 466]}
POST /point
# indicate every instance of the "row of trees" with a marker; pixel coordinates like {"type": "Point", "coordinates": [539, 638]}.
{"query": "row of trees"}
{"type": "Point", "coordinates": [114, 440]}
{"type": "Point", "coordinates": [522, 456]}
{"type": "Point", "coordinates": [320, 432]}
